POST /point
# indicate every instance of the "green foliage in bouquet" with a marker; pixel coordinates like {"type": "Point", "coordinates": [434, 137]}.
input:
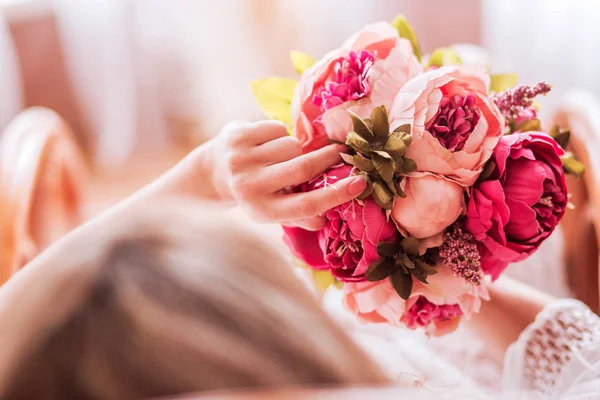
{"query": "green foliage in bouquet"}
{"type": "Point", "coordinates": [380, 156]}
{"type": "Point", "coordinates": [301, 61]}
{"type": "Point", "coordinates": [400, 262]}
{"type": "Point", "coordinates": [502, 82]}
{"type": "Point", "coordinates": [405, 31]}
{"type": "Point", "coordinates": [274, 97]}
{"type": "Point", "coordinates": [571, 165]}
{"type": "Point", "coordinates": [444, 56]}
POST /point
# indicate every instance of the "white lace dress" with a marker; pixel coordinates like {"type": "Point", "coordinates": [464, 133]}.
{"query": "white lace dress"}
{"type": "Point", "coordinates": [556, 357]}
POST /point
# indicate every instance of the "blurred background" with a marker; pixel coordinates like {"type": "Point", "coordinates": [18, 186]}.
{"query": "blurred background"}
{"type": "Point", "coordinates": [141, 82]}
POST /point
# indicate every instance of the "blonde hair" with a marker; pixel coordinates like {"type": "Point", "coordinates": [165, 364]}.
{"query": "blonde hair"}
{"type": "Point", "coordinates": [182, 301]}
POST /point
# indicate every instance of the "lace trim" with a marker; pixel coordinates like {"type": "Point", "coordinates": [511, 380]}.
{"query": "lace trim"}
{"type": "Point", "coordinates": [553, 340]}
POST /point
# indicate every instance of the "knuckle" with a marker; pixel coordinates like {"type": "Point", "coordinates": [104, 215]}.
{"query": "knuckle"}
{"type": "Point", "coordinates": [234, 162]}
{"type": "Point", "coordinates": [241, 188]}
{"type": "Point", "coordinates": [235, 133]}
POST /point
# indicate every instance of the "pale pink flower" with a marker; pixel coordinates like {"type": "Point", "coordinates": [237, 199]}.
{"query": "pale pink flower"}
{"type": "Point", "coordinates": [455, 124]}
{"type": "Point", "coordinates": [431, 205]}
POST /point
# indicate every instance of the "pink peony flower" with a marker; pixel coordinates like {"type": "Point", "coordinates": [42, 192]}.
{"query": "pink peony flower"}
{"type": "Point", "coordinates": [436, 319]}
{"type": "Point", "coordinates": [514, 210]}
{"type": "Point", "coordinates": [366, 72]}
{"type": "Point", "coordinates": [431, 205]}
{"type": "Point", "coordinates": [347, 245]}
{"type": "Point", "coordinates": [455, 125]}
{"type": "Point", "coordinates": [448, 299]}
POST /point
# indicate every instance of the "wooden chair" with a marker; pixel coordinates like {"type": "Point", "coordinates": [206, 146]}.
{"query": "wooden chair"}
{"type": "Point", "coordinates": [41, 186]}
{"type": "Point", "coordinates": [580, 112]}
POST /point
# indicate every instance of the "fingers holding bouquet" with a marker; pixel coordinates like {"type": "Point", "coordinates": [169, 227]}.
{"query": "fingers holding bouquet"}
{"type": "Point", "coordinates": [260, 163]}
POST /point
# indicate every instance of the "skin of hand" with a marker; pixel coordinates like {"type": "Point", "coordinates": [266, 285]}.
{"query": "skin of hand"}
{"type": "Point", "coordinates": [255, 165]}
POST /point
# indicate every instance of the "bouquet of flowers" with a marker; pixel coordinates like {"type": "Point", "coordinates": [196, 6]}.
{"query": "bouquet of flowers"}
{"type": "Point", "coordinates": [461, 179]}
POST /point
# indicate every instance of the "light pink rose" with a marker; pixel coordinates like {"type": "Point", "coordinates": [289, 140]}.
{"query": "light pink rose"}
{"type": "Point", "coordinates": [366, 72]}
{"type": "Point", "coordinates": [430, 206]}
{"type": "Point", "coordinates": [455, 124]}
{"type": "Point", "coordinates": [438, 313]}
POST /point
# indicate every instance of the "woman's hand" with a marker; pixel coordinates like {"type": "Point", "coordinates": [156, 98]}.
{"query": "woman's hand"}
{"type": "Point", "coordinates": [255, 163]}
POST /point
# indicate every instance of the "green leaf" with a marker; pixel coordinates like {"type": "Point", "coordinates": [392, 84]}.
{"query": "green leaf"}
{"type": "Point", "coordinates": [274, 97]}
{"type": "Point", "coordinates": [403, 129]}
{"type": "Point", "coordinates": [381, 125]}
{"type": "Point", "coordinates": [409, 165]}
{"type": "Point", "coordinates": [324, 279]}
{"type": "Point", "coordinates": [301, 61]}
{"type": "Point", "coordinates": [425, 268]}
{"type": "Point", "coordinates": [571, 165]}
{"type": "Point", "coordinates": [501, 82]}
{"type": "Point", "coordinates": [383, 154]}
{"type": "Point", "coordinates": [406, 261]}
{"type": "Point", "coordinates": [385, 168]}
{"type": "Point", "coordinates": [402, 283]}
{"type": "Point", "coordinates": [405, 31]}
{"type": "Point", "coordinates": [422, 270]}
{"type": "Point", "coordinates": [488, 168]}
{"type": "Point", "coordinates": [396, 145]}
{"type": "Point", "coordinates": [358, 143]}
{"type": "Point", "coordinates": [367, 192]}
{"type": "Point", "coordinates": [387, 249]}
{"type": "Point", "coordinates": [399, 190]}
{"type": "Point", "coordinates": [562, 137]}
{"type": "Point", "coordinates": [391, 184]}
{"type": "Point", "coordinates": [379, 270]}
{"type": "Point", "coordinates": [363, 163]}
{"type": "Point", "coordinates": [444, 56]}
{"type": "Point", "coordinates": [529, 125]}
{"type": "Point", "coordinates": [420, 277]}
{"type": "Point", "coordinates": [347, 158]}
{"type": "Point", "coordinates": [411, 246]}
{"type": "Point", "coordinates": [382, 195]}
{"type": "Point", "coordinates": [361, 127]}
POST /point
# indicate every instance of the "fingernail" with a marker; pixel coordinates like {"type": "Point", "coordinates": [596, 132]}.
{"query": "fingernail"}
{"type": "Point", "coordinates": [357, 186]}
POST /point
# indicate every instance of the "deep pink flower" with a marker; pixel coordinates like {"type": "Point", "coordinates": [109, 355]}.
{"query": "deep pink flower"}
{"type": "Point", "coordinates": [347, 244]}
{"type": "Point", "coordinates": [514, 210]}
{"type": "Point", "coordinates": [456, 118]}
{"type": "Point", "coordinates": [424, 313]}
{"type": "Point", "coordinates": [349, 82]}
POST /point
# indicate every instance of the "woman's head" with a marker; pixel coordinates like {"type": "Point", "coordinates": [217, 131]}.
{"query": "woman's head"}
{"type": "Point", "coordinates": [166, 301]}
